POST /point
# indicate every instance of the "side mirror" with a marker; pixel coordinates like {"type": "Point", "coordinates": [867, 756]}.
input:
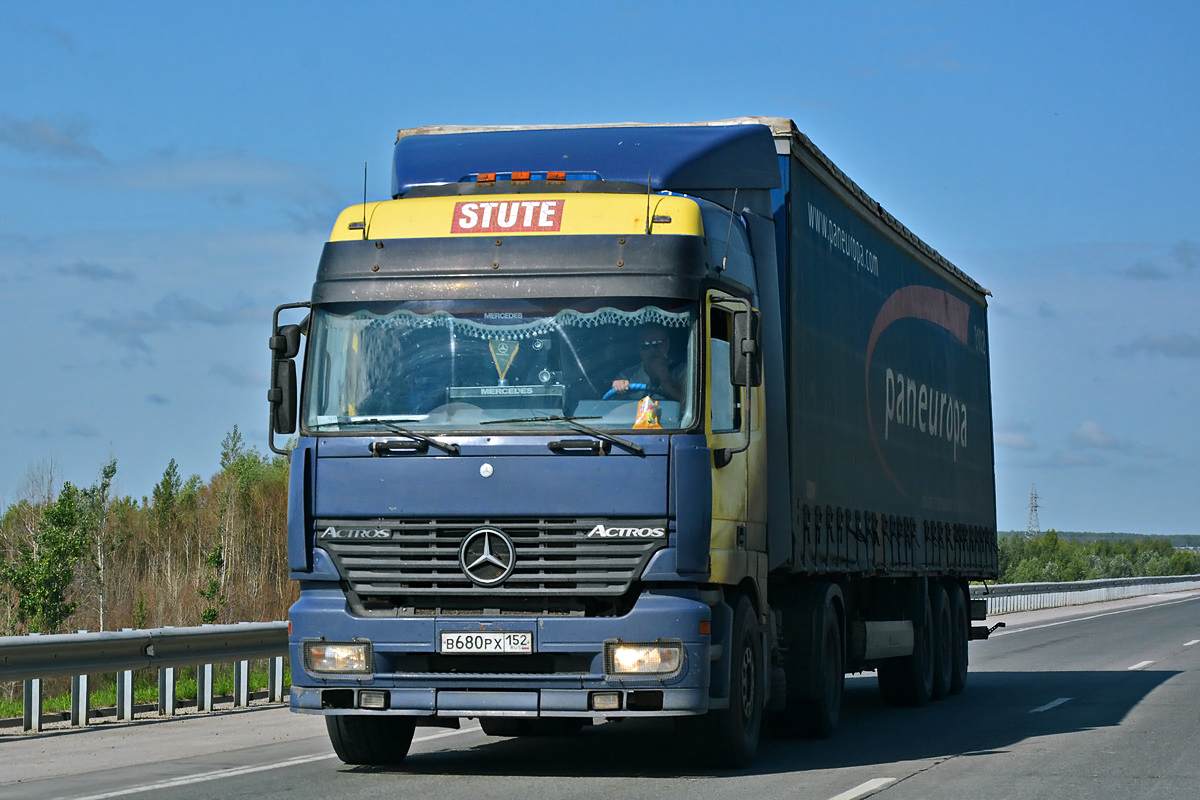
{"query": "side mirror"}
{"type": "Point", "coordinates": [745, 356]}
{"type": "Point", "coordinates": [286, 342]}
{"type": "Point", "coordinates": [282, 396]}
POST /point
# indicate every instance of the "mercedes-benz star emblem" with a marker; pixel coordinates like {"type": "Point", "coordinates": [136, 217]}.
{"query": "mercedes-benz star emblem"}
{"type": "Point", "coordinates": [487, 556]}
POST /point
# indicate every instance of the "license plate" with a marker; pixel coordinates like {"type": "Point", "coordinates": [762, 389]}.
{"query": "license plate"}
{"type": "Point", "coordinates": [506, 642]}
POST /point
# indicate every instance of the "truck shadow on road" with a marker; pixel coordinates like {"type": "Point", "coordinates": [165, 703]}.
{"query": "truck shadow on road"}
{"type": "Point", "coordinates": [996, 711]}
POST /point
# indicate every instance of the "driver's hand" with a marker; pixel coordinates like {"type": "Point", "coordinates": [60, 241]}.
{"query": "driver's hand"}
{"type": "Point", "coordinates": [659, 369]}
{"type": "Point", "coordinates": [620, 386]}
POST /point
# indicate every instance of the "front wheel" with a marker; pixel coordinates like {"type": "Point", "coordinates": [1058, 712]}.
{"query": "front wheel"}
{"type": "Point", "coordinates": [370, 740]}
{"type": "Point", "coordinates": [728, 737]}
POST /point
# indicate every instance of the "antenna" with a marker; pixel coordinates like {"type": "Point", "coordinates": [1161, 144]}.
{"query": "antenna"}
{"type": "Point", "coordinates": [1033, 528]}
{"type": "Point", "coordinates": [364, 200]}
{"type": "Point", "coordinates": [729, 230]}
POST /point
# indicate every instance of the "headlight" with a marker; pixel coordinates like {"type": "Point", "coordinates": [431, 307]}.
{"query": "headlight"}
{"type": "Point", "coordinates": [642, 658]}
{"type": "Point", "coordinates": [337, 656]}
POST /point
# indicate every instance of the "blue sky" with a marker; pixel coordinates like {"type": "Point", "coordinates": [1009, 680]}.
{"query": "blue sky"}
{"type": "Point", "coordinates": [169, 172]}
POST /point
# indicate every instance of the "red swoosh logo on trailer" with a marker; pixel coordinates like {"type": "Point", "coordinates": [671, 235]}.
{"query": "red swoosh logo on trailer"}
{"type": "Point", "coordinates": [913, 302]}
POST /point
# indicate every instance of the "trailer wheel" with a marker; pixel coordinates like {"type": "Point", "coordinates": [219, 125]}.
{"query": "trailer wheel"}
{"type": "Point", "coordinates": [728, 737]}
{"type": "Point", "coordinates": [943, 646]}
{"type": "Point", "coordinates": [370, 740]}
{"type": "Point", "coordinates": [908, 680]}
{"type": "Point", "coordinates": [960, 634]}
{"type": "Point", "coordinates": [817, 671]}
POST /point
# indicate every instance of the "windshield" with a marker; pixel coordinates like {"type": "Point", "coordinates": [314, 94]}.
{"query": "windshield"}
{"type": "Point", "coordinates": [488, 365]}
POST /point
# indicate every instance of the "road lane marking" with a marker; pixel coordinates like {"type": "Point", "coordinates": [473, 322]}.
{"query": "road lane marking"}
{"type": "Point", "coordinates": [1140, 665]}
{"type": "Point", "coordinates": [864, 789]}
{"type": "Point", "coordinates": [1050, 705]}
{"type": "Point", "coordinates": [203, 777]}
{"type": "Point", "coordinates": [1010, 631]}
{"type": "Point", "coordinates": [1192, 642]}
{"type": "Point", "coordinates": [444, 734]}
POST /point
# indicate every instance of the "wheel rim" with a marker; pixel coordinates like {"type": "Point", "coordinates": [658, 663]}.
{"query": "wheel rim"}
{"type": "Point", "coordinates": [747, 682]}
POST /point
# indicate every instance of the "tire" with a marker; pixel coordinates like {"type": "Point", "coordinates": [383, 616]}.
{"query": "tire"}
{"type": "Point", "coordinates": [728, 737]}
{"type": "Point", "coordinates": [816, 674]}
{"type": "Point", "coordinates": [370, 740]}
{"type": "Point", "coordinates": [960, 635]}
{"type": "Point", "coordinates": [943, 633]}
{"type": "Point", "coordinates": [908, 680]}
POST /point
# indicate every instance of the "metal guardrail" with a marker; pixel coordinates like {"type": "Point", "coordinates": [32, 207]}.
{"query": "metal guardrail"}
{"type": "Point", "coordinates": [1006, 598]}
{"type": "Point", "coordinates": [32, 658]}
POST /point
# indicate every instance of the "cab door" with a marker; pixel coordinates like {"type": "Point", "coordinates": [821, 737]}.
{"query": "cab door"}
{"type": "Point", "coordinates": [728, 439]}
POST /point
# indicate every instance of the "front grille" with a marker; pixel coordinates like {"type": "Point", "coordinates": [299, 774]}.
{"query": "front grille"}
{"type": "Point", "coordinates": [417, 566]}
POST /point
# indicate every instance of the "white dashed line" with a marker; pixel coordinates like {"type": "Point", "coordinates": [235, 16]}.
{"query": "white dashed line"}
{"type": "Point", "coordinates": [204, 777]}
{"type": "Point", "coordinates": [1141, 665]}
{"type": "Point", "coordinates": [864, 789]}
{"type": "Point", "coordinates": [1192, 642]}
{"type": "Point", "coordinates": [1011, 631]}
{"type": "Point", "coordinates": [1050, 705]}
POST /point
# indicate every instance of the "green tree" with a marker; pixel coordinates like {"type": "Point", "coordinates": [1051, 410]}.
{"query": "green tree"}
{"type": "Point", "coordinates": [44, 565]}
{"type": "Point", "coordinates": [232, 447]}
{"type": "Point", "coordinates": [95, 507]}
{"type": "Point", "coordinates": [211, 593]}
{"type": "Point", "coordinates": [166, 491]}
{"type": "Point", "coordinates": [162, 514]}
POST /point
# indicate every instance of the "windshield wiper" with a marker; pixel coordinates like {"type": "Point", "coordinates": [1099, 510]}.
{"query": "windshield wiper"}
{"type": "Point", "coordinates": [450, 448]}
{"type": "Point", "coordinates": [573, 421]}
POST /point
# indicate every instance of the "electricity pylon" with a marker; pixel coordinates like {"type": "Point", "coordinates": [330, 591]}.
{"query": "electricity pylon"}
{"type": "Point", "coordinates": [1033, 528]}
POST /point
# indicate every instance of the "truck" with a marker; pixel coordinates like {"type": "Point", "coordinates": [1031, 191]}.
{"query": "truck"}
{"type": "Point", "coordinates": [621, 421]}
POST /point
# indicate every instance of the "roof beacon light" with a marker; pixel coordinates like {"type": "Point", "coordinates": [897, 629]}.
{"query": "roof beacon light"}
{"type": "Point", "coordinates": [553, 176]}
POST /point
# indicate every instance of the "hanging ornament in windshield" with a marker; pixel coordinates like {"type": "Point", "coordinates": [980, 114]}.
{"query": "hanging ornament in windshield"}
{"type": "Point", "coordinates": [503, 354]}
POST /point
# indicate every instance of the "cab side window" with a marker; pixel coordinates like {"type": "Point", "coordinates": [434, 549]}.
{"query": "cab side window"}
{"type": "Point", "coordinates": [723, 400]}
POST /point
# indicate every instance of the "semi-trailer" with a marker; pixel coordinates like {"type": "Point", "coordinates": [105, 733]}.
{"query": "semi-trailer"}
{"type": "Point", "coordinates": [618, 421]}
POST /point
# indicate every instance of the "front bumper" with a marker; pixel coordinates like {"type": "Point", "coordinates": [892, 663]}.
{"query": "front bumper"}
{"type": "Point", "coordinates": [567, 668]}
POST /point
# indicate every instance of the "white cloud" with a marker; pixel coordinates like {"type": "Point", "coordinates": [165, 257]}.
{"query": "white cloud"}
{"type": "Point", "coordinates": [229, 174]}
{"type": "Point", "coordinates": [92, 271]}
{"type": "Point", "coordinates": [1171, 345]}
{"type": "Point", "coordinates": [1015, 436]}
{"type": "Point", "coordinates": [1186, 253]}
{"type": "Point", "coordinates": [42, 137]}
{"type": "Point", "coordinates": [1089, 436]}
{"type": "Point", "coordinates": [1016, 441]}
{"type": "Point", "coordinates": [1146, 271]}
{"type": "Point", "coordinates": [238, 377]}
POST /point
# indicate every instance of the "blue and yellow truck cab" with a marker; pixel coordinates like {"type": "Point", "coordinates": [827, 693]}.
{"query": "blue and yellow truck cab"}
{"type": "Point", "coordinates": [625, 421]}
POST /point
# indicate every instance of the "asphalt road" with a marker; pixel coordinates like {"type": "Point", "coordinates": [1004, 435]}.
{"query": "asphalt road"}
{"type": "Point", "coordinates": [1094, 702]}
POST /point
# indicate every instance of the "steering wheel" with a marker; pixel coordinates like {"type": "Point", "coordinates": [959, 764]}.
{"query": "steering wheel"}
{"type": "Point", "coordinates": [633, 387]}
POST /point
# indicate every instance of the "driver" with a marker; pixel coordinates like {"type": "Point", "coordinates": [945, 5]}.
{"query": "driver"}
{"type": "Point", "coordinates": [662, 376]}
